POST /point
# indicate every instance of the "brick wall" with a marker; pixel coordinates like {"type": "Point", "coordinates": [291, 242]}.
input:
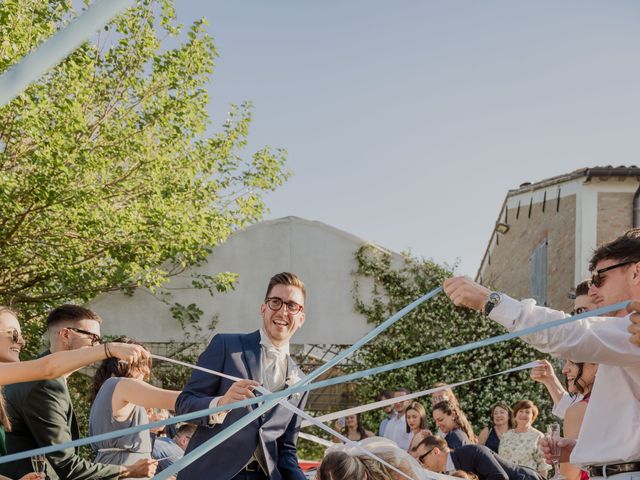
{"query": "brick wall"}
{"type": "Point", "coordinates": [614, 215]}
{"type": "Point", "coordinates": [510, 269]}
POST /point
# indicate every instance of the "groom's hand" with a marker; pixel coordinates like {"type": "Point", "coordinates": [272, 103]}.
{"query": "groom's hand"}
{"type": "Point", "coordinates": [239, 391]}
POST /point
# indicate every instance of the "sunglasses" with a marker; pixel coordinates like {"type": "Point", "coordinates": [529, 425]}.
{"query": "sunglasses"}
{"type": "Point", "coordinates": [597, 280]}
{"type": "Point", "coordinates": [579, 310]}
{"type": "Point", "coordinates": [95, 339]}
{"type": "Point", "coordinates": [15, 335]}
{"type": "Point", "coordinates": [423, 456]}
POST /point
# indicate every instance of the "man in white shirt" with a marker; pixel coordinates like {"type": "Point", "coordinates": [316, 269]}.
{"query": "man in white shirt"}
{"type": "Point", "coordinates": [545, 374]}
{"type": "Point", "coordinates": [388, 411]}
{"type": "Point", "coordinates": [396, 428]}
{"type": "Point", "coordinates": [265, 448]}
{"type": "Point", "coordinates": [609, 439]}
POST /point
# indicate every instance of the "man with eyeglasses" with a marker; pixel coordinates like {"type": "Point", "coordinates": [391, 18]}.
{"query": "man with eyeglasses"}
{"type": "Point", "coordinates": [434, 455]}
{"type": "Point", "coordinates": [265, 448]}
{"type": "Point", "coordinates": [609, 441]}
{"type": "Point", "coordinates": [42, 414]}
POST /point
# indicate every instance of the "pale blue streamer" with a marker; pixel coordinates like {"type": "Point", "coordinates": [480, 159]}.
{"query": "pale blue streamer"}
{"type": "Point", "coordinates": [268, 404]}
{"type": "Point", "coordinates": [56, 48]}
{"type": "Point", "coordinates": [298, 388]}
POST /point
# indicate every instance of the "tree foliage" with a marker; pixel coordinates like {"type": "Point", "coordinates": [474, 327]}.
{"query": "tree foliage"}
{"type": "Point", "coordinates": [109, 177]}
{"type": "Point", "coordinates": [434, 326]}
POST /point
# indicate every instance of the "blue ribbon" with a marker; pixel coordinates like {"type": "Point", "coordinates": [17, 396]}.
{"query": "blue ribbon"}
{"type": "Point", "coordinates": [268, 404]}
{"type": "Point", "coordinates": [57, 47]}
{"type": "Point", "coordinates": [329, 382]}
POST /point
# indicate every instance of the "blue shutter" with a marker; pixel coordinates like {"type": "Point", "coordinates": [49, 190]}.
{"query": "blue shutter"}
{"type": "Point", "coordinates": [538, 262]}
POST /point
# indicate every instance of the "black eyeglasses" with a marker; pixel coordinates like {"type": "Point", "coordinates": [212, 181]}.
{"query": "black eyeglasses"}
{"type": "Point", "coordinates": [422, 457]}
{"type": "Point", "coordinates": [579, 310]}
{"type": "Point", "coordinates": [597, 280]}
{"type": "Point", "coordinates": [15, 335]}
{"type": "Point", "coordinates": [276, 303]}
{"type": "Point", "coordinates": [95, 338]}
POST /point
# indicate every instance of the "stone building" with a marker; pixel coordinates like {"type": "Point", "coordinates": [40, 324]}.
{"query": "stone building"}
{"type": "Point", "coordinates": [546, 231]}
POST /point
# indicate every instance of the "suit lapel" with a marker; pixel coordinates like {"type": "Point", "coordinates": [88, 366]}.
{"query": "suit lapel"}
{"type": "Point", "coordinates": [251, 355]}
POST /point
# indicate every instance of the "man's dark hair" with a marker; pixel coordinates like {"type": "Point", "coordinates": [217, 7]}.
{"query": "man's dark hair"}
{"type": "Point", "coordinates": [405, 391]}
{"type": "Point", "coordinates": [625, 248]}
{"type": "Point", "coordinates": [71, 313]}
{"type": "Point", "coordinates": [583, 288]}
{"type": "Point", "coordinates": [385, 395]}
{"type": "Point", "coordinates": [286, 278]}
{"type": "Point", "coordinates": [186, 428]}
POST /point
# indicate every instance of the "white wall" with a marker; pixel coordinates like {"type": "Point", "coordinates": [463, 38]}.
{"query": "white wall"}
{"type": "Point", "coordinates": [321, 255]}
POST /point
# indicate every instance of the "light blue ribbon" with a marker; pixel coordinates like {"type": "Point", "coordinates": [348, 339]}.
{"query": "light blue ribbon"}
{"type": "Point", "coordinates": [268, 404]}
{"type": "Point", "coordinates": [299, 388]}
{"type": "Point", "coordinates": [57, 47]}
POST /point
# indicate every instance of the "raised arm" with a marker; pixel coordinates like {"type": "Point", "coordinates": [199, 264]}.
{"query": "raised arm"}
{"type": "Point", "coordinates": [139, 392]}
{"type": "Point", "coordinates": [545, 375]}
{"type": "Point", "coordinates": [57, 364]}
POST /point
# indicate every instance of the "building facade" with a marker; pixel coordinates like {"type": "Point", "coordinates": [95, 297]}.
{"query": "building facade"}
{"type": "Point", "coordinates": [546, 232]}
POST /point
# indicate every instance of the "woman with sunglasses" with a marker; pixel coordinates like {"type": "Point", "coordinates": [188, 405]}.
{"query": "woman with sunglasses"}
{"type": "Point", "coordinates": [12, 370]}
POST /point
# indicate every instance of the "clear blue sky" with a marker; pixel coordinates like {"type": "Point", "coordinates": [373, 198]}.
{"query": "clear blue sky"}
{"type": "Point", "coordinates": [406, 122]}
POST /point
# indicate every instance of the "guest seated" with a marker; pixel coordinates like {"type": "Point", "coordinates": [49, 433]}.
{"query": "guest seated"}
{"type": "Point", "coordinates": [520, 445]}
{"type": "Point", "coordinates": [501, 417]}
{"type": "Point", "coordinates": [452, 421]}
{"type": "Point", "coordinates": [119, 398]}
{"type": "Point", "coordinates": [169, 450]}
{"type": "Point", "coordinates": [435, 455]}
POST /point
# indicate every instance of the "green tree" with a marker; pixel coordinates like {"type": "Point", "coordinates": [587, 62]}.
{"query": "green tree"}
{"type": "Point", "coordinates": [109, 177]}
{"type": "Point", "coordinates": [434, 326]}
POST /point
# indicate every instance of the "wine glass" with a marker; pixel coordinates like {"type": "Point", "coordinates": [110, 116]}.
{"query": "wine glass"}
{"type": "Point", "coordinates": [39, 463]}
{"type": "Point", "coordinates": [553, 434]}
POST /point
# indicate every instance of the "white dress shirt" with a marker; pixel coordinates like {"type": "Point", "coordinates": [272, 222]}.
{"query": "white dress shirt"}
{"type": "Point", "coordinates": [396, 430]}
{"type": "Point", "coordinates": [273, 371]}
{"type": "Point", "coordinates": [610, 431]}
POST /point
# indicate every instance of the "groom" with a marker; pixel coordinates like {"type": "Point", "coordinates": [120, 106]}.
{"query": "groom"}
{"type": "Point", "coordinates": [265, 448]}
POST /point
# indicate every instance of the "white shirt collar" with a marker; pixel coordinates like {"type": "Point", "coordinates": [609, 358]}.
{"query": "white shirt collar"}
{"type": "Point", "coordinates": [266, 342]}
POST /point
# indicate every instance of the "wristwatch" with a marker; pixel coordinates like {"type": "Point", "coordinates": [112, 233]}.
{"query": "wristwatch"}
{"type": "Point", "coordinates": [492, 301]}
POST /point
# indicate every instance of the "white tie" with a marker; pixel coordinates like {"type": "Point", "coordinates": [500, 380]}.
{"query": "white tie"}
{"type": "Point", "coordinates": [274, 371]}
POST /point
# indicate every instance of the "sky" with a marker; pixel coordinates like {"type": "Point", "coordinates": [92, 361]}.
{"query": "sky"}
{"type": "Point", "coordinates": [406, 122]}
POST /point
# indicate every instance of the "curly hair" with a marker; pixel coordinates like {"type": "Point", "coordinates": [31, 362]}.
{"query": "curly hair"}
{"type": "Point", "coordinates": [113, 367]}
{"type": "Point", "coordinates": [625, 248]}
{"type": "Point", "coordinates": [449, 408]}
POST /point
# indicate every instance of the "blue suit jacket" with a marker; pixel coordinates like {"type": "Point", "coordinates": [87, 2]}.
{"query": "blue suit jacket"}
{"type": "Point", "coordinates": [277, 430]}
{"type": "Point", "coordinates": [488, 465]}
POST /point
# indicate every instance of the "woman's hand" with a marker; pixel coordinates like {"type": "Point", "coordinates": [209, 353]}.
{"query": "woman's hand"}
{"type": "Point", "coordinates": [127, 352]}
{"type": "Point", "coordinates": [33, 476]}
{"type": "Point", "coordinates": [543, 373]}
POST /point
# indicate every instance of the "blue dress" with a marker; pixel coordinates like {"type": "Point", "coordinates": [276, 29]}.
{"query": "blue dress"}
{"type": "Point", "coordinates": [493, 441]}
{"type": "Point", "coordinates": [456, 438]}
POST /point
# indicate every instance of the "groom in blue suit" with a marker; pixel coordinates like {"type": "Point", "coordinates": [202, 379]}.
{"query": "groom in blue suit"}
{"type": "Point", "coordinates": [265, 448]}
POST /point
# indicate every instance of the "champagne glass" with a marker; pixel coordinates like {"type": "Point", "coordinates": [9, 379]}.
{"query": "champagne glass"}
{"type": "Point", "coordinates": [39, 463]}
{"type": "Point", "coordinates": [553, 434]}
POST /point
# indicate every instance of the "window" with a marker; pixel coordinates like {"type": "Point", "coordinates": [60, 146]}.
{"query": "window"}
{"type": "Point", "coordinates": [538, 262]}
